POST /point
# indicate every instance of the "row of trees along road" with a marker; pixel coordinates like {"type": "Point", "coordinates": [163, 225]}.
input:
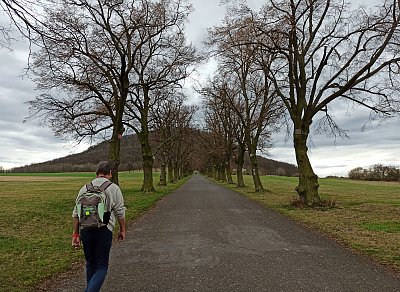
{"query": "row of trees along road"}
{"type": "Point", "coordinates": [241, 105]}
{"type": "Point", "coordinates": [312, 55]}
{"type": "Point", "coordinates": [104, 65]}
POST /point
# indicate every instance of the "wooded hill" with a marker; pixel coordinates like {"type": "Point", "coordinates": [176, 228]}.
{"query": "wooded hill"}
{"type": "Point", "coordinates": [131, 160]}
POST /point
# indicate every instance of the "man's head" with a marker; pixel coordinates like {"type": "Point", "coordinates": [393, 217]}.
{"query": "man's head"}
{"type": "Point", "coordinates": [104, 168]}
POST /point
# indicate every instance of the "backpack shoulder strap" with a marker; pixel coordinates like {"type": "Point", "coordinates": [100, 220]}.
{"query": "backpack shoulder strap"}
{"type": "Point", "coordinates": [105, 185]}
{"type": "Point", "coordinates": [89, 186]}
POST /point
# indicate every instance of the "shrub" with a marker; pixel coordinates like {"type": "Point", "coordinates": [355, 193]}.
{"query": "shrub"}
{"type": "Point", "coordinates": [377, 172]}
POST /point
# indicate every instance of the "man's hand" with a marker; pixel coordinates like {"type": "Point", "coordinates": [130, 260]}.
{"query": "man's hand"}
{"type": "Point", "coordinates": [76, 242]}
{"type": "Point", "coordinates": [122, 229]}
{"type": "Point", "coordinates": [121, 235]}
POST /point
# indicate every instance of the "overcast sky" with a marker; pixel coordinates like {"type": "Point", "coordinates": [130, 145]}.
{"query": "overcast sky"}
{"type": "Point", "coordinates": [26, 143]}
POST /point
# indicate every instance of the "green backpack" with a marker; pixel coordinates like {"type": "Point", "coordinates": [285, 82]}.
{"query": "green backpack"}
{"type": "Point", "coordinates": [91, 206]}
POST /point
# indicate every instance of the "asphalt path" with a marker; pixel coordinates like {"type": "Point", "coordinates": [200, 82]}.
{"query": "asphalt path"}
{"type": "Point", "coordinates": [204, 237]}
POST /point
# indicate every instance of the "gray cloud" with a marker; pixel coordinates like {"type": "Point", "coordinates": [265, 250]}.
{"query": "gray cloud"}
{"type": "Point", "coordinates": [22, 143]}
{"type": "Point", "coordinates": [364, 148]}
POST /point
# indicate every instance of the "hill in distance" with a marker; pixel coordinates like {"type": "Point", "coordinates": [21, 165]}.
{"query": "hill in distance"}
{"type": "Point", "coordinates": [131, 159]}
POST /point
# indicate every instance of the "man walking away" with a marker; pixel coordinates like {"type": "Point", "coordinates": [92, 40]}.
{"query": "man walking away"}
{"type": "Point", "coordinates": [99, 205]}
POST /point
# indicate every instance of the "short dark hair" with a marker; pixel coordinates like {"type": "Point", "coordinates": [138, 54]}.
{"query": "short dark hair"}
{"type": "Point", "coordinates": [104, 167]}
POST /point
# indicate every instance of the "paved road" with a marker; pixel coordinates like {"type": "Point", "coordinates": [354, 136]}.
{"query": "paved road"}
{"type": "Point", "coordinates": [206, 238]}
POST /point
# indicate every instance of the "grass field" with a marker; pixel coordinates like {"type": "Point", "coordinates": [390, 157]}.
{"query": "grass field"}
{"type": "Point", "coordinates": [366, 217]}
{"type": "Point", "coordinates": [36, 223]}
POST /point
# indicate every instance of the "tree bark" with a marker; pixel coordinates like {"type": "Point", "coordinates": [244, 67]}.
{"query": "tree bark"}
{"type": "Point", "coordinates": [213, 171]}
{"type": "Point", "coordinates": [229, 172]}
{"type": "Point", "coordinates": [218, 168]}
{"type": "Point", "coordinates": [147, 173]}
{"type": "Point", "coordinates": [240, 163]}
{"type": "Point", "coordinates": [222, 171]}
{"type": "Point", "coordinates": [148, 160]}
{"type": "Point", "coordinates": [176, 171]}
{"type": "Point", "coordinates": [115, 146]}
{"type": "Point", "coordinates": [179, 172]}
{"type": "Point", "coordinates": [113, 156]}
{"type": "Point", "coordinates": [255, 173]}
{"type": "Point", "coordinates": [228, 159]}
{"type": "Point", "coordinates": [163, 175]}
{"type": "Point", "coordinates": [170, 172]}
{"type": "Point", "coordinates": [308, 180]}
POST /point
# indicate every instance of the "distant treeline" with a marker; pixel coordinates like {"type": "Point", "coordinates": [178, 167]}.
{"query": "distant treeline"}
{"type": "Point", "coordinates": [131, 160]}
{"type": "Point", "coordinates": [377, 172]}
{"type": "Point", "coordinates": [87, 160]}
{"type": "Point", "coordinates": [67, 167]}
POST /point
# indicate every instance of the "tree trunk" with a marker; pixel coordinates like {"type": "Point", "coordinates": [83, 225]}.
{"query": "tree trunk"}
{"type": "Point", "coordinates": [255, 173]}
{"type": "Point", "coordinates": [114, 154]}
{"type": "Point", "coordinates": [176, 171]}
{"type": "Point", "coordinates": [148, 173]}
{"type": "Point", "coordinates": [113, 157]}
{"type": "Point", "coordinates": [163, 175]}
{"type": "Point", "coordinates": [228, 159]}
{"type": "Point", "coordinates": [229, 172]}
{"type": "Point", "coordinates": [148, 160]}
{"type": "Point", "coordinates": [170, 172]}
{"type": "Point", "coordinates": [240, 163]}
{"type": "Point", "coordinates": [181, 172]}
{"type": "Point", "coordinates": [308, 180]}
{"type": "Point", "coordinates": [239, 176]}
{"type": "Point", "coordinates": [223, 172]}
{"type": "Point", "coordinates": [213, 171]}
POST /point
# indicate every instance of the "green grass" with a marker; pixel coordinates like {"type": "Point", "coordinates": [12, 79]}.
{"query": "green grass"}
{"type": "Point", "coordinates": [389, 227]}
{"type": "Point", "coordinates": [36, 223]}
{"type": "Point", "coordinates": [366, 217]}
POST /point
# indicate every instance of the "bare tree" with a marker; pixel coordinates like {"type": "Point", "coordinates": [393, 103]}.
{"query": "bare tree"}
{"type": "Point", "coordinates": [185, 146]}
{"type": "Point", "coordinates": [107, 57]}
{"type": "Point", "coordinates": [162, 61]}
{"type": "Point", "coordinates": [221, 118]}
{"type": "Point", "coordinates": [246, 64]}
{"type": "Point", "coordinates": [229, 125]}
{"type": "Point", "coordinates": [83, 68]}
{"type": "Point", "coordinates": [171, 120]}
{"type": "Point", "coordinates": [328, 52]}
{"type": "Point", "coordinates": [164, 117]}
{"type": "Point", "coordinates": [216, 137]}
{"type": "Point", "coordinates": [24, 15]}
